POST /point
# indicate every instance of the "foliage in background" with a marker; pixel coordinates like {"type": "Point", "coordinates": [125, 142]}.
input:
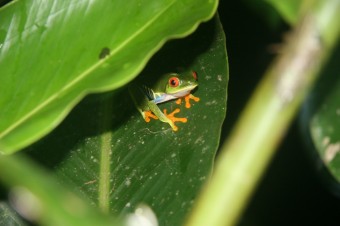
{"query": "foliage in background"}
{"type": "Point", "coordinates": [320, 120]}
{"type": "Point", "coordinates": [289, 10]}
{"type": "Point", "coordinates": [268, 114]}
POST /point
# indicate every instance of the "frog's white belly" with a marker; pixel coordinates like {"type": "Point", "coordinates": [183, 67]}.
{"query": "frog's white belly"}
{"type": "Point", "coordinates": [160, 98]}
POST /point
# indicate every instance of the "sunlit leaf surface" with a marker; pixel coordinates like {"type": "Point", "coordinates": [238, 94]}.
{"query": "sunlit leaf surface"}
{"type": "Point", "coordinates": [52, 53]}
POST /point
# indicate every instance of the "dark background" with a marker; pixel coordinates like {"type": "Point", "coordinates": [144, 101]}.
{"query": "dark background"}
{"type": "Point", "coordinates": [291, 191]}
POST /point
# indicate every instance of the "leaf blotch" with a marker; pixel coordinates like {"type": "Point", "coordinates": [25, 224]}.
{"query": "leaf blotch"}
{"type": "Point", "coordinates": [104, 52]}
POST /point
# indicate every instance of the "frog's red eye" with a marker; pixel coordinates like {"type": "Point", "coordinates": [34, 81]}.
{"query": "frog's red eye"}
{"type": "Point", "coordinates": [194, 74]}
{"type": "Point", "coordinates": [173, 82]}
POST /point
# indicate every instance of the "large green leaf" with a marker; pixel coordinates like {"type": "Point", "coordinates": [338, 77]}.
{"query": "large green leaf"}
{"type": "Point", "coordinates": [52, 53]}
{"type": "Point", "coordinates": [106, 151]}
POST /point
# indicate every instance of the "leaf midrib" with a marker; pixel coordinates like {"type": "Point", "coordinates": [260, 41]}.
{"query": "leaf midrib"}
{"type": "Point", "coordinates": [105, 158]}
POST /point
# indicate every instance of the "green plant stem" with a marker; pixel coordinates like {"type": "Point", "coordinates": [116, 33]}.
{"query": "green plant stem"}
{"type": "Point", "coordinates": [105, 159]}
{"type": "Point", "coordinates": [248, 151]}
{"type": "Point", "coordinates": [104, 178]}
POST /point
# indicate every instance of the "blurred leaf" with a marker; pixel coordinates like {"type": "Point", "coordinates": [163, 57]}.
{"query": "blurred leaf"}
{"type": "Point", "coordinates": [41, 199]}
{"type": "Point", "coordinates": [9, 217]}
{"type": "Point", "coordinates": [148, 162]}
{"type": "Point", "coordinates": [321, 120]}
{"type": "Point", "coordinates": [289, 9]}
{"type": "Point", "coordinates": [265, 11]}
{"type": "Point", "coordinates": [52, 53]}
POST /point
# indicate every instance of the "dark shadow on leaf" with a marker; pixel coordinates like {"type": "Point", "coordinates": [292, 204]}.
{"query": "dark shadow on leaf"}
{"type": "Point", "coordinates": [175, 56]}
{"type": "Point", "coordinates": [84, 121]}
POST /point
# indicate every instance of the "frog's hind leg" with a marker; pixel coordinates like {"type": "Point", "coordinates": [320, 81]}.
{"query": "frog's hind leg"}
{"type": "Point", "coordinates": [159, 114]}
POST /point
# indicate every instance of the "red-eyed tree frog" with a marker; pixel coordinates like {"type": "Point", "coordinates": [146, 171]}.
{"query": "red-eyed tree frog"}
{"type": "Point", "coordinates": [170, 86]}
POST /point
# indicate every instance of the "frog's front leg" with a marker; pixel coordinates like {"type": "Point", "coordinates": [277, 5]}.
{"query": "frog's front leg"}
{"type": "Point", "coordinates": [187, 99]}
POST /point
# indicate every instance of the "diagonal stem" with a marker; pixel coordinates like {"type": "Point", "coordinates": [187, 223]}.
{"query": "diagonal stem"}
{"type": "Point", "coordinates": [267, 116]}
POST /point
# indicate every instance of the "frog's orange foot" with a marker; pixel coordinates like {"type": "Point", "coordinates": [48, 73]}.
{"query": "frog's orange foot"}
{"type": "Point", "coordinates": [187, 99]}
{"type": "Point", "coordinates": [148, 115]}
{"type": "Point", "coordinates": [174, 119]}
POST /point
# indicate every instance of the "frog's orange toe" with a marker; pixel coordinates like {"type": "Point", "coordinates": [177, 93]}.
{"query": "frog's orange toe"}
{"type": "Point", "coordinates": [172, 116]}
{"type": "Point", "coordinates": [148, 115]}
{"type": "Point", "coordinates": [189, 97]}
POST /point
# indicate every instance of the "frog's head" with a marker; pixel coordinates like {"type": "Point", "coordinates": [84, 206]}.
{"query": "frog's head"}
{"type": "Point", "coordinates": [179, 85]}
